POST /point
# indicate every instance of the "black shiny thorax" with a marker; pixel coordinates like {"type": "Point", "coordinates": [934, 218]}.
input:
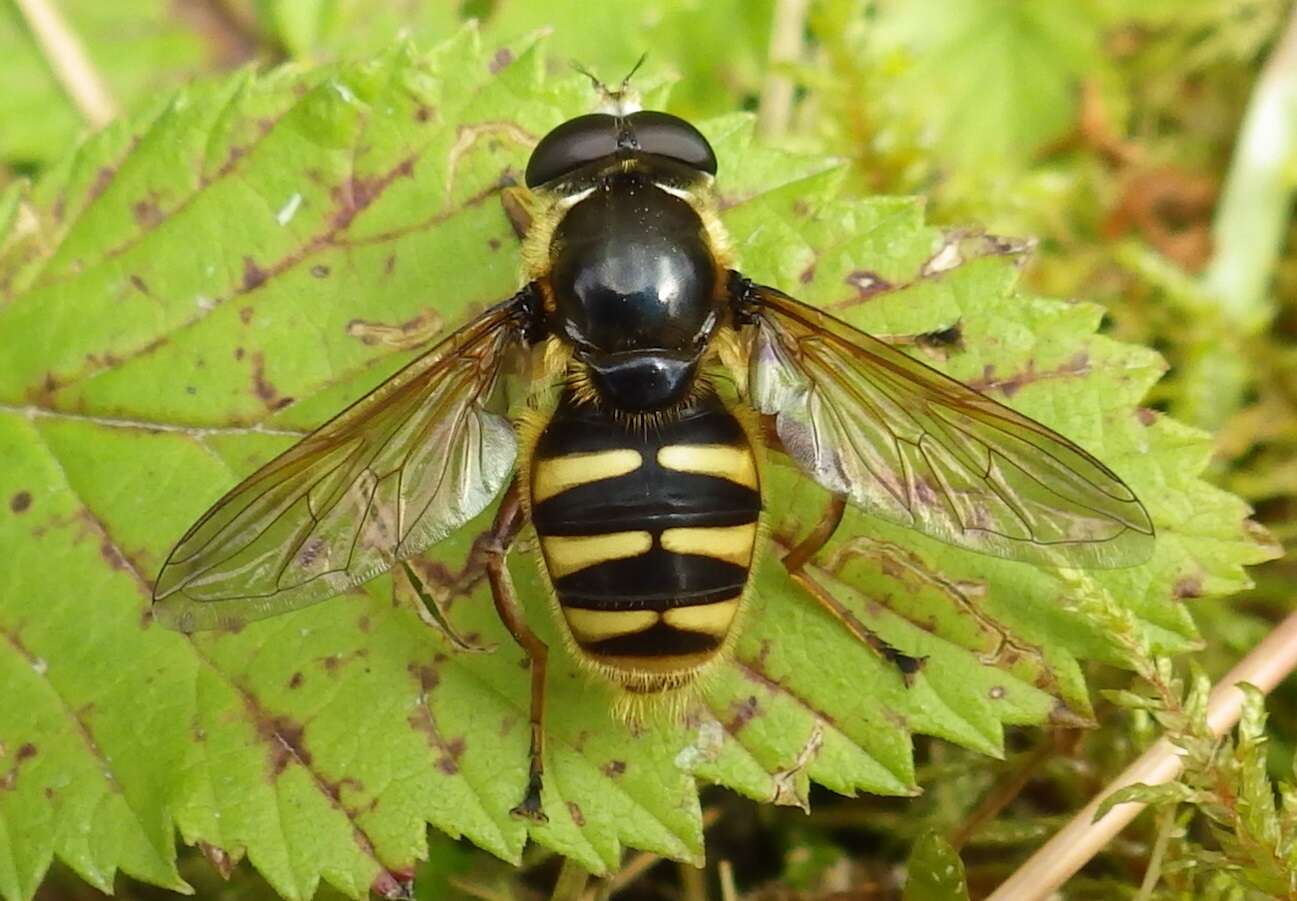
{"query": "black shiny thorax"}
{"type": "Point", "coordinates": [632, 268]}
{"type": "Point", "coordinates": [634, 283]}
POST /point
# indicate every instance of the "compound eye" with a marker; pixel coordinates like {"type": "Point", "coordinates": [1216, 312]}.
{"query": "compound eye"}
{"type": "Point", "coordinates": [666, 135]}
{"type": "Point", "coordinates": [570, 146]}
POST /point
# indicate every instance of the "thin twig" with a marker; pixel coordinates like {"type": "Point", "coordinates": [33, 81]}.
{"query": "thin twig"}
{"type": "Point", "coordinates": [644, 861]}
{"type": "Point", "coordinates": [69, 62]}
{"type": "Point", "coordinates": [693, 884]}
{"type": "Point", "coordinates": [1153, 873]}
{"type": "Point", "coordinates": [726, 873]}
{"type": "Point", "coordinates": [1084, 836]}
{"type": "Point", "coordinates": [571, 882]}
{"type": "Point", "coordinates": [776, 107]}
{"type": "Point", "coordinates": [1003, 792]}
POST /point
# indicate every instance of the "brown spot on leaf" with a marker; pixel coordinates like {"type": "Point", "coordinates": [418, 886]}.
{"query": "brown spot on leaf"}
{"type": "Point", "coordinates": [232, 159]}
{"type": "Point", "coordinates": [743, 714]}
{"type": "Point", "coordinates": [268, 393]}
{"type": "Point", "coordinates": [284, 738]}
{"type": "Point", "coordinates": [245, 315]}
{"type": "Point", "coordinates": [253, 275]}
{"type": "Point", "coordinates": [147, 213]}
{"type": "Point", "coordinates": [102, 179]}
{"type": "Point", "coordinates": [614, 768]}
{"type": "Point", "coordinates": [319, 270]}
{"type": "Point", "coordinates": [1188, 587]}
{"type": "Point", "coordinates": [26, 751]}
{"type": "Point", "coordinates": [448, 765]}
{"type": "Point", "coordinates": [1146, 416]}
{"type": "Point", "coordinates": [574, 810]}
{"type": "Point", "coordinates": [140, 285]}
{"type": "Point", "coordinates": [334, 662]}
{"type": "Point", "coordinates": [239, 353]}
{"type": "Point", "coordinates": [427, 676]}
{"type": "Point", "coordinates": [363, 623]}
{"type": "Point", "coordinates": [502, 58]}
{"type": "Point", "coordinates": [808, 275]}
{"type": "Point", "coordinates": [113, 557]}
{"type": "Point", "coordinates": [20, 501]}
{"type": "Point", "coordinates": [296, 680]}
{"type": "Point", "coordinates": [1010, 385]}
{"type": "Point", "coordinates": [867, 283]}
{"type": "Point", "coordinates": [423, 113]}
{"type": "Point", "coordinates": [389, 264]}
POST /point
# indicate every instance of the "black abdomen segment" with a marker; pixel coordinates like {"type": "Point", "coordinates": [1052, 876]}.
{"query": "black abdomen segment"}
{"type": "Point", "coordinates": [647, 532]}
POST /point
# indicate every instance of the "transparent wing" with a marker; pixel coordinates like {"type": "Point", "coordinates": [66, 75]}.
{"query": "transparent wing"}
{"type": "Point", "coordinates": [915, 447]}
{"type": "Point", "coordinates": [381, 481]}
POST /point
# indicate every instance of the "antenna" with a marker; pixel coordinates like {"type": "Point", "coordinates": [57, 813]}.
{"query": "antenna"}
{"type": "Point", "coordinates": [620, 102]}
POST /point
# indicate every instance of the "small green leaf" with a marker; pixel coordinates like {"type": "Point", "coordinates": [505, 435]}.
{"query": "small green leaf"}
{"type": "Point", "coordinates": [1140, 793]}
{"type": "Point", "coordinates": [934, 871]}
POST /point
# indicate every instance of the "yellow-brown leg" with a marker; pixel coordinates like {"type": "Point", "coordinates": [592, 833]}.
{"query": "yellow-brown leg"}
{"type": "Point", "coordinates": [509, 519]}
{"type": "Point", "coordinates": [795, 561]}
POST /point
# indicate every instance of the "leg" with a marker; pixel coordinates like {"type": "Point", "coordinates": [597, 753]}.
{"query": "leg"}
{"type": "Point", "coordinates": [795, 561]}
{"type": "Point", "coordinates": [819, 536]}
{"type": "Point", "coordinates": [508, 522]}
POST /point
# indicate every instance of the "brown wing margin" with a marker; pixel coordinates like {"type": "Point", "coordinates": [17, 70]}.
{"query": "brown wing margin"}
{"type": "Point", "coordinates": [908, 444]}
{"type": "Point", "coordinates": [390, 475]}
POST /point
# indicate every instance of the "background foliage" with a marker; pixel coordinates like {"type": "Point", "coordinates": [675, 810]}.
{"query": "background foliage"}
{"type": "Point", "coordinates": [1104, 129]}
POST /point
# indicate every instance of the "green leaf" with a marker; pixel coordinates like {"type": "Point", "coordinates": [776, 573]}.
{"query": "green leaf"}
{"type": "Point", "coordinates": [934, 871]}
{"type": "Point", "coordinates": [189, 293]}
{"type": "Point", "coordinates": [1141, 793]}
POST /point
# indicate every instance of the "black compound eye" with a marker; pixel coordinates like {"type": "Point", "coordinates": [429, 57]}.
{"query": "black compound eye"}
{"type": "Point", "coordinates": [570, 146]}
{"type": "Point", "coordinates": [666, 135]}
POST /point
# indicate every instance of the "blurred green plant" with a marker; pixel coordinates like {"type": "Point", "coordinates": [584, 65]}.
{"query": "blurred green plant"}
{"type": "Point", "coordinates": [1104, 128]}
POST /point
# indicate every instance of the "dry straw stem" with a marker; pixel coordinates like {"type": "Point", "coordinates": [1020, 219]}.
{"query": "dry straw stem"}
{"type": "Point", "coordinates": [69, 62]}
{"type": "Point", "coordinates": [776, 106]}
{"type": "Point", "coordinates": [1083, 837]}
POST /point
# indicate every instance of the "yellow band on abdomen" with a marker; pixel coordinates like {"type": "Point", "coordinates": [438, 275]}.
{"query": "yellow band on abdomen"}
{"type": "Point", "coordinates": [555, 475]}
{"type": "Point", "coordinates": [598, 625]}
{"type": "Point", "coordinates": [568, 554]}
{"type": "Point", "coordinates": [710, 619]}
{"type": "Point", "coordinates": [724, 461]}
{"type": "Point", "coordinates": [732, 544]}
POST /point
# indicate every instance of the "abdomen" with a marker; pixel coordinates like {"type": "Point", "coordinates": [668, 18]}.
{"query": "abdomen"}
{"type": "Point", "coordinates": [647, 535]}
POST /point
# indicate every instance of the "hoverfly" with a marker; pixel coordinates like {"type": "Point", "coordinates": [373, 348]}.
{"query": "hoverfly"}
{"type": "Point", "coordinates": [657, 375]}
